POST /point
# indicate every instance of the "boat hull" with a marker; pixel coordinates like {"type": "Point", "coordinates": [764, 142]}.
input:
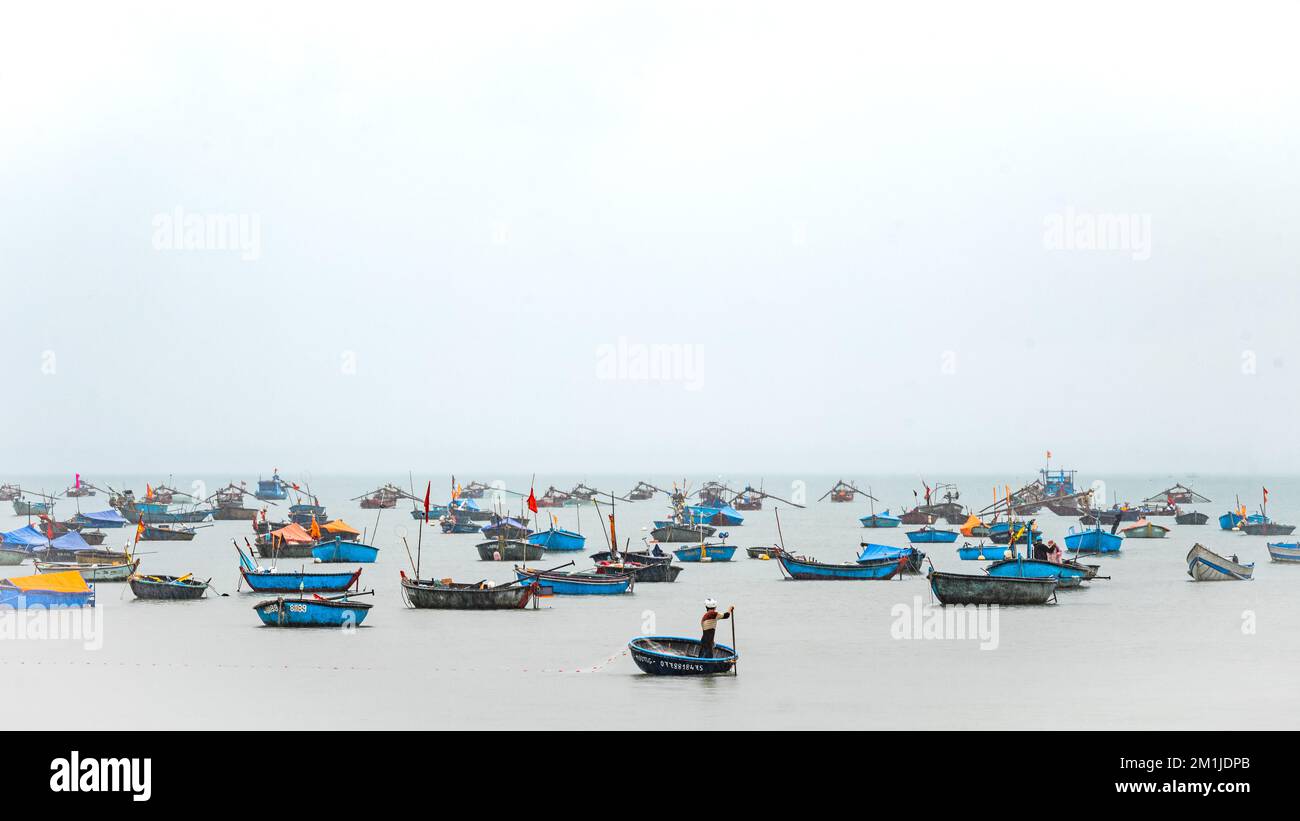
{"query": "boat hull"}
{"type": "Point", "coordinates": [299, 582]}
{"type": "Point", "coordinates": [432, 595]}
{"type": "Point", "coordinates": [118, 572]}
{"type": "Point", "coordinates": [1146, 532]}
{"type": "Point", "coordinates": [1204, 565]}
{"type": "Point", "coordinates": [807, 570]}
{"type": "Point", "coordinates": [563, 584]}
{"type": "Point", "coordinates": [167, 588]}
{"type": "Point", "coordinates": [1192, 518]}
{"type": "Point", "coordinates": [558, 540]}
{"type": "Point", "coordinates": [962, 588]}
{"type": "Point", "coordinates": [345, 552]}
{"type": "Point", "coordinates": [673, 656]}
{"type": "Point", "coordinates": [877, 520]}
{"type": "Point", "coordinates": [932, 536]}
{"type": "Point", "coordinates": [509, 551]}
{"type": "Point", "coordinates": [1267, 529]}
{"type": "Point", "coordinates": [705, 553]}
{"type": "Point", "coordinates": [982, 552]}
{"type": "Point", "coordinates": [236, 514]}
{"type": "Point", "coordinates": [282, 612]}
{"type": "Point", "coordinates": [1093, 541]}
{"type": "Point", "coordinates": [1284, 552]}
{"type": "Point", "coordinates": [12, 558]}
{"type": "Point", "coordinates": [1022, 568]}
{"type": "Point", "coordinates": [675, 533]}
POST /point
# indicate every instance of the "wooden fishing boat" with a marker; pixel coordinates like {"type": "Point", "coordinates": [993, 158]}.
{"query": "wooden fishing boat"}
{"type": "Point", "coordinates": [313, 611]}
{"type": "Point", "coordinates": [1093, 540]}
{"type": "Point", "coordinates": [974, 528]}
{"type": "Point", "coordinates": [1284, 552]}
{"type": "Point", "coordinates": [1110, 517]}
{"type": "Point", "coordinates": [677, 656]}
{"type": "Point", "coordinates": [1179, 494]}
{"type": "Point", "coordinates": [705, 553]}
{"type": "Point", "coordinates": [640, 493]}
{"type": "Point", "coordinates": [509, 550]}
{"type": "Point", "coordinates": [79, 491]}
{"type": "Point", "coordinates": [558, 539]}
{"type": "Point", "coordinates": [12, 557]}
{"type": "Point", "coordinates": [346, 551]}
{"type": "Point", "coordinates": [1191, 517]}
{"type": "Point", "coordinates": [26, 507]}
{"type": "Point", "coordinates": [577, 584]}
{"type": "Point", "coordinates": [384, 498]}
{"type": "Point", "coordinates": [93, 537]}
{"type": "Point", "coordinates": [167, 533]}
{"type": "Point", "coordinates": [274, 489]}
{"type": "Point", "coordinates": [95, 557]}
{"type": "Point", "coordinates": [1001, 533]}
{"type": "Point", "coordinates": [48, 590]}
{"type": "Point", "coordinates": [1204, 565]}
{"type": "Point", "coordinates": [114, 572]}
{"type": "Point", "coordinates": [915, 516]}
{"type": "Point", "coordinates": [762, 552]}
{"type": "Point", "coordinates": [802, 568]}
{"type": "Point", "coordinates": [506, 528]}
{"type": "Point", "coordinates": [229, 504]}
{"type": "Point", "coordinates": [1233, 520]}
{"type": "Point", "coordinates": [964, 588]}
{"type": "Point", "coordinates": [909, 556]}
{"type": "Point", "coordinates": [843, 491]}
{"type": "Point", "coordinates": [554, 497]}
{"type": "Point", "coordinates": [1068, 508]}
{"type": "Point", "coordinates": [167, 588]}
{"type": "Point", "coordinates": [1142, 529]}
{"type": "Point", "coordinates": [674, 532]}
{"type": "Point", "coordinates": [880, 520]}
{"type": "Point", "coordinates": [435, 512]}
{"type": "Point", "coordinates": [288, 542]}
{"type": "Point", "coordinates": [457, 525]}
{"type": "Point", "coordinates": [983, 552]}
{"type": "Point", "coordinates": [474, 490]}
{"type": "Point", "coordinates": [9, 492]}
{"type": "Point", "coordinates": [261, 580]}
{"type": "Point", "coordinates": [448, 595]}
{"type": "Point", "coordinates": [931, 535]}
{"type": "Point", "coordinates": [638, 556]}
{"type": "Point", "coordinates": [1267, 529]}
{"type": "Point", "coordinates": [656, 572]}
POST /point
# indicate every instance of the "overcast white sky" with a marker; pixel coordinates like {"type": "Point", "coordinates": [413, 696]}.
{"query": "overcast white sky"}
{"type": "Point", "coordinates": [840, 211]}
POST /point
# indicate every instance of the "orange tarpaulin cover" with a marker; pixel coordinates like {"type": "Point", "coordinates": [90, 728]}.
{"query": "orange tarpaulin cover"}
{"type": "Point", "coordinates": [68, 581]}
{"type": "Point", "coordinates": [971, 522]}
{"type": "Point", "coordinates": [338, 527]}
{"type": "Point", "coordinates": [292, 533]}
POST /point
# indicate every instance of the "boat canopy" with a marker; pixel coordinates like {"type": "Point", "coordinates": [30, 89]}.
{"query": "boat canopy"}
{"type": "Point", "coordinates": [31, 537]}
{"type": "Point", "coordinates": [69, 581]}
{"type": "Point", "coordinates": [105, 516]}
{"type": "Point", "coordinates": [338, 527]}
{"type": "Point", "coordinates": [883, 551]}
{"type": "Point", "coordinates": [972, 522]}
{"type": "Point", "coordinates": [293, 533]}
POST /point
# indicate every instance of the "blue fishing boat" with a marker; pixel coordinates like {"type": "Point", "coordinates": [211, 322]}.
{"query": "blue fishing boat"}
{"type": "Point", "coordinates": [677, 656]}
{"type": "Point", "coordinates": [705, 553]}
{"type": "Point", "coordinates": [47, 590]}
{"type": "Point", "coordinates": [558, 539]}
{"type": "Point", "coordinates": [721, 515]}
{"type": "Point", "coordinates": [577, 584]}
{"type": "Point", "coordinates": [1092, 540]}
{"type": "Point", "coordinates": [340, 550]}
{"type": "Point", "coordinates": [880, 520]}
{"type": "Point", "coordinates": [102, 520]}
{"type": "Point", "coordinates": [261, 580]}
{"type": "Point", "coordinates": [435, 512]}
{"type": "Point", "coordinates": [802, 568]}
{"type": "Point", "coordinates": [456, 524]}
{"type": "Point", "coordinates": [1285, 552]}
{"type": "Point", "coordinates": [1068, 574]}
{"type": "Point", "coordinates": [273, 489]}
{"type": "Point", "coordinates": [872, 553]}
{"type": "Point", "coordinates": [1231, 520]}
{"type": "Point", "coordinates": [312, 611]}
{"type": "Point", "coordinates": [26, 507]}
{"type": "Point", "coordinates": [1002, 532]}
{"type": "Point", "coordinates": [931, 535]}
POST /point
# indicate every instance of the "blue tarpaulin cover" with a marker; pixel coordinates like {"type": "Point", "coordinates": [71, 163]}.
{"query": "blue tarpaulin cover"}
{"type": "Point", "coordinates": [106, 516]}
{"type": "Point", "coordinates": [31, 537]}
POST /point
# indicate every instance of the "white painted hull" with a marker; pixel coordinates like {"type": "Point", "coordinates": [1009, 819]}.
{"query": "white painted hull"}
{"type": "Point", "coordinates": [1204, 565]}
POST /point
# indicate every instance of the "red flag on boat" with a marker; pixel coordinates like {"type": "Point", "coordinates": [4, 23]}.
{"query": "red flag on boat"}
{"type": "Point", "coordinates": [49, 530]}
{"type": "Point", "coordinates": [427, 489]}
{"type": "Point", "coordinates": [1265, 495]}
{"type": "Point", "coordinates": [78, 482]}
{"type": "Point", "coordinates": [532, 501]}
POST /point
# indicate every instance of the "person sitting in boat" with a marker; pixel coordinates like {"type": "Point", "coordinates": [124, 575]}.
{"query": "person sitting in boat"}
{"type": "Point", "coordinates": [709, 626]}
{"type": "Point", "coordinates": [656, 550]}
{"type": "Point", "coordinates": [1054, 554]}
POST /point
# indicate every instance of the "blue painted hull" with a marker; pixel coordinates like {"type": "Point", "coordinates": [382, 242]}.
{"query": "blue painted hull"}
{"type": "Point", "coordinates": [1093, 541]}
{"type": "Point", "coordinates": [563, 585]}
{"type": "Point", "coordinates": [803, 570]}
{"type": "Point", "coordinates": [721, 516]}
{"type": "Point", "coordinates": [435, 512]}
{"type": "Point", "coordinates": [558, 539]}
{"type": "Point", "coordinates": [1229, 521]}
{"type": "Point", "coordinates": [1285, 552]}
{"type": "Point", "coordinates": [675, 656]}
{"type": "Point", "coordinates": [880, 520]}
{"type": "Point", "coordinates": [299, 582]}
{"type": "Point", "coordinates": [1035, 569]}
{"type": "Point", "coordinates": [932, 536]}
{"type": "Point", "coordinates": [341, 551]}
{"type": "Point", "coordinates": [311, 613]}
{"type": "Point", "coordinates": [701, 553]}
{"type": "Point", "coordinates": [11, 597]}
{"type": "Point", "coordinates": [982, 553]}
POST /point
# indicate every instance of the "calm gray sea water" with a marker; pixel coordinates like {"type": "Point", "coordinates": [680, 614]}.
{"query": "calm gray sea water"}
{"type": "Point", "coordinates": [1146, 649]}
